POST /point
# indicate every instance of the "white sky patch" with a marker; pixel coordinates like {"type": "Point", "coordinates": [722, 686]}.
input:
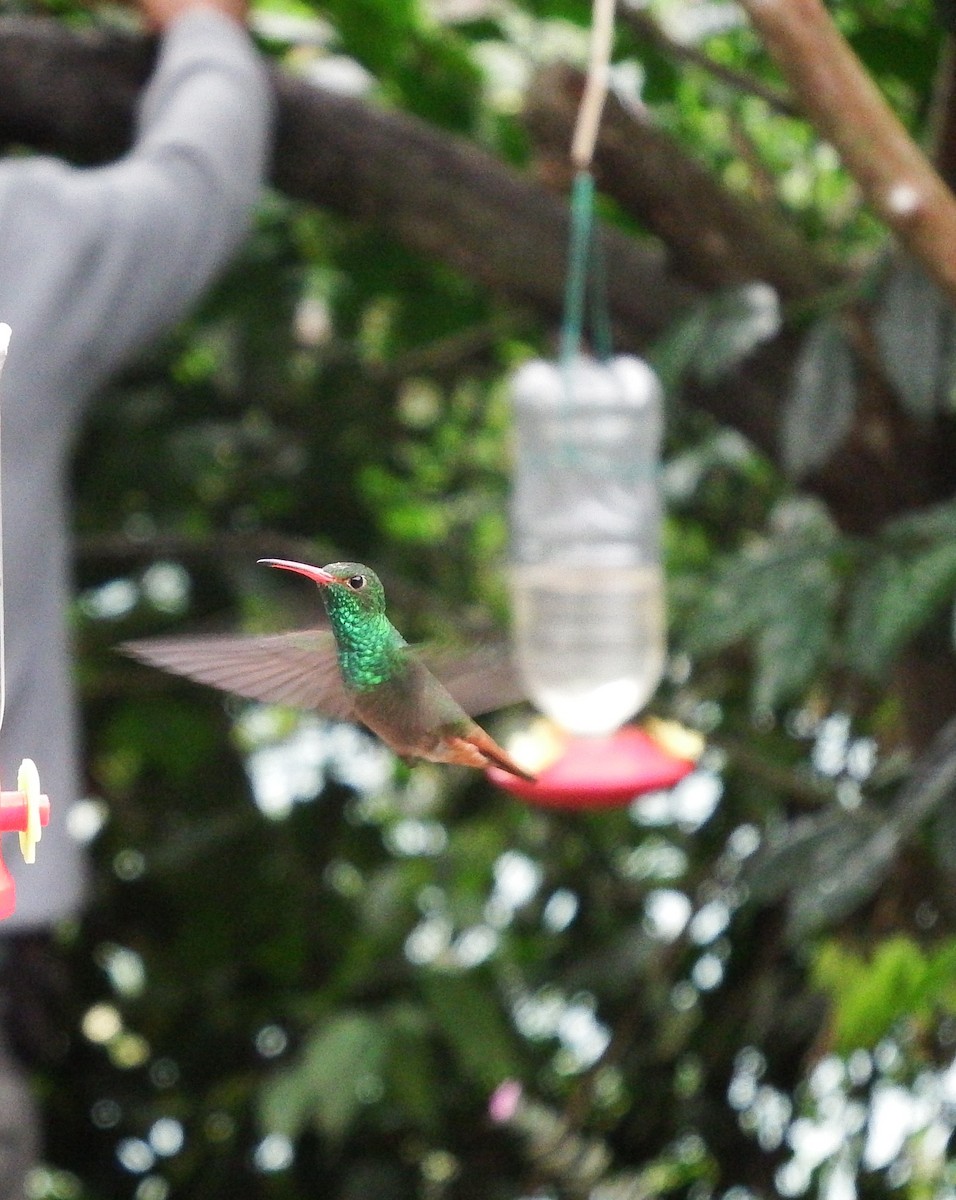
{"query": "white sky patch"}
{"type": "Point", "coordinates": [666, 913]}
{"type": "Point", "coordinates": [274, 1153]}
{"type": "Point", "coordinates": [166, 585]}
{"type": "Point", "coordinates": [903, 199]}
{"type": "Point", "coordinates": [903, 1130]}
{"type": "Point", "coordinates": [893, 1116]}
{"type": "Point", "coordinates": [167, 1137]}
{"type": "Point", "coordinates": [709, 922]}
{"type": "Point", "coordinates": [560, 910]}
{"type": "Point", "coordinates": [708, 972]}
{"type": "Point", "coordinates": [135, 1155]}
{"type": "Point", "coordinates": [124, 967]}
{"type": "Point", "coordinates": [582, 1037]}
{"type": "Point", "coordinates": [430, 940]}
{"type": "Point", "coordinates": [831, 745]}
{"type": "Point", "coordinates": [474, 946]}
{"type": "Point", "coordinates": [688, 804]}
{"type": "Point", "coordinates": [654, 858]}
{"type": "Point", "coordinates": [517, 879]}
{"type": "Point", "coordinates": [414, 838]}
{"type": "Point", "coordinates": [289, 765]}
{"type": "Point", "coordinates": [109, 601]}
{"type": "Point", "coordinates": [342, 74]}
{"type": "Point", "coordinates": [85, 818]}
{"type": "Point", "coordinates": [537, 1015]}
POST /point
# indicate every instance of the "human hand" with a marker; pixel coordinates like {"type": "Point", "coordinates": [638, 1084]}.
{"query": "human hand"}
{"type": "Point", "coordinates": [158, 14]}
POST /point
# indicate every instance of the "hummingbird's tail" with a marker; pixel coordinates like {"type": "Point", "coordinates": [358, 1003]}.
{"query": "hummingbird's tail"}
{"type": "Point", "coordinates": [479, 749]}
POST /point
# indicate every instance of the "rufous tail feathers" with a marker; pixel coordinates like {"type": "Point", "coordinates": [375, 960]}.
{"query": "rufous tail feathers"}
{"type": "Point", "coordinates": [479, 749]}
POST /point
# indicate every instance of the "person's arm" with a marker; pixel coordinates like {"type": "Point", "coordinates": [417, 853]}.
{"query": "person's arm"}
{"type": "Point", "coordinates": [113, 255]}
{"type": "Point", "coordinates": [183, 198]}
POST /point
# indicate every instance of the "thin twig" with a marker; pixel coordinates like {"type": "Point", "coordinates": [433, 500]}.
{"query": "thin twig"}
{"type": "Point", "coordinates": [644, 27]}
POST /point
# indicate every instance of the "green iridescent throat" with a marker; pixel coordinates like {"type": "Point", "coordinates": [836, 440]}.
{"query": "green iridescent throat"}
{"type": "Point", "coordinates": [367, 642]}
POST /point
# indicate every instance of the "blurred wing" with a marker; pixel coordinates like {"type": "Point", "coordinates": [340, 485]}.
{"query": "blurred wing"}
{"type": "Point", "coordinates": [481, 680]}
{"type": "Point", "coordinates": [299, 669]}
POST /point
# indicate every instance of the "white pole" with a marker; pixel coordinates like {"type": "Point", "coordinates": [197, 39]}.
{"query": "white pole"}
{"type": "Point", "coordinates": [5, 333]}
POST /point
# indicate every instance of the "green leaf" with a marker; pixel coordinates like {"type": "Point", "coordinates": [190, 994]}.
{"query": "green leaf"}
{"type": "Point", "coordinates": [805, 850]}
{"type": "Point", "coordinates": [473, 1026]}
{"type": "Point", "coordinates": [909, 325]}
{"type": "Point", "coordinates": [734, 605]}
{"type": "Point", "coordinates": [738, 320]}
{"type": "Point", "coordinates": [780, 593]}
{"type": "Point", "coordinates": [936, 521]}
{"type": "Point", "coordinates": [793, 643]}
{"type": "Point", "coordinates": [825, 866]}
{"type": "Point", "coordinates": [943, 838]}
{"type": "Point", "coordinates": [893, 599]}
{"type": "Point", "coordinates": [819, 408]}
{"type": "Point", "coordinates": [869, 996]}
{"type": "Point", "coordinates": [675, 351]}
{"type": "Point", "coordinates": [325, 1086]}
{"type": "Point", "coordinates": [718, 334]}
{"type": "Point", "coordinates": [411, 1069]}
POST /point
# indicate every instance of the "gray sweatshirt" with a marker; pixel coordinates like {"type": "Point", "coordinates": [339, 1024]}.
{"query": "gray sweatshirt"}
{"type": "Point", "coordinates": [93, 264]}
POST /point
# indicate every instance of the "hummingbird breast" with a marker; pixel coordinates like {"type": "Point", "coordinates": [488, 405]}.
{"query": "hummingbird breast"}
{"type": "Point", "coordinates": [412, 711]}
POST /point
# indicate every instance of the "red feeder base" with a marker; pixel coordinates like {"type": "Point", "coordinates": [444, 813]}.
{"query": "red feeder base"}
{"type": "Point", "coordinates": [13, 818]}
{"type": "Point", "coordinates": [8, 892]}
{"type": "Point", "coordinates": [604, 772]}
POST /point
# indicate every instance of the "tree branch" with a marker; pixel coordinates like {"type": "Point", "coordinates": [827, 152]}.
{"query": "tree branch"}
{"type": "Point", "coordinates": [74, 95]}
{"type": "Point", "coordinates": [439, 195]}
{"type": "Point", "coordinates": [943, 114]}
{"type": "Point", "coordinates": [846, 107]}
{"type": "Point", "coordinates": [715, 238]}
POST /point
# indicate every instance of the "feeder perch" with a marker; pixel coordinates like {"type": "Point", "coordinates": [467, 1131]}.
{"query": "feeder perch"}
{"type": "Point", "coordinates": [26, 810]}
{"type": "Point", "coordinates": [602, 772]}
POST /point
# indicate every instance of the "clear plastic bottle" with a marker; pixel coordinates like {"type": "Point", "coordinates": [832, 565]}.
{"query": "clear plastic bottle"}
{"type": "Point", "coordinates": [586, 580]}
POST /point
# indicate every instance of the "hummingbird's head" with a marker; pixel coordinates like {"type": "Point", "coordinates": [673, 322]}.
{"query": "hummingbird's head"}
{"type": "Point", "coordinates": [351, 591]}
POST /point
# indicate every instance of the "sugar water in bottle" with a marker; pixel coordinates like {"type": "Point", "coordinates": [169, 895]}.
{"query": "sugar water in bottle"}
{"type": "Point", "coordinates": [586, 581]}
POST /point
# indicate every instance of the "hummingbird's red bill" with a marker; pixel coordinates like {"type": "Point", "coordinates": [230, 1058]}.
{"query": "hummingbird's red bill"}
{"type": "Point", "coordinates": [316, 574]}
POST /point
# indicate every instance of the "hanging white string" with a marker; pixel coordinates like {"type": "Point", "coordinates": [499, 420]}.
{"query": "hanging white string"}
{"type": "Point", "coordinates": [5, 332]}
{"type": "Point", "coordinates": [595, 86]}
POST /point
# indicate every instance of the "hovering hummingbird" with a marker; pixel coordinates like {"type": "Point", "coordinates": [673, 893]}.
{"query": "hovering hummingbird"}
{"type": "Point", "coordinates": [363, 670]}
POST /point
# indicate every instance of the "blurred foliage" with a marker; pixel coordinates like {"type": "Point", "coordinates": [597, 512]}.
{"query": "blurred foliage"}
{"type": "Point", "coordinates": [308, 972]}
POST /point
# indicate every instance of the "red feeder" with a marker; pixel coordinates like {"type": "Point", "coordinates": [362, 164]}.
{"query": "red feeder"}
{"type": "Point", "coordinates": [24, 811]}
{"type": "Point", "coordinates": [603, 772]}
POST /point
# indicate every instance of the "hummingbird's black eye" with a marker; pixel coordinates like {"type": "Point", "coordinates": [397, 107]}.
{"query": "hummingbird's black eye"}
{"type": "Point", "coordinates": [356, 582]}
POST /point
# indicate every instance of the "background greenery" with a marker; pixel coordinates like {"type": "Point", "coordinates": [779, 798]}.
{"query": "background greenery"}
{"type": "Point", "coordinates": [314, 988]}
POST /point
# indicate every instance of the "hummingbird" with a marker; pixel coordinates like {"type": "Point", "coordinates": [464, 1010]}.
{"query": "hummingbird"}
{"type": "Point", "coordinates": [362, 670]}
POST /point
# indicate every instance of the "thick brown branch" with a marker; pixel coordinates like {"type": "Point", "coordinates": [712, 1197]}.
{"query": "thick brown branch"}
{"type": "Point", "coordinates": [847, 109]}
{"type": "Point", "coordinates": [439, 195]}
{"type": "Point", "coordinates": [450, 200]}
{"type": "Point", "coordinates": [715, 238]}
{"type": "Point", "coordinates": [69, 93]}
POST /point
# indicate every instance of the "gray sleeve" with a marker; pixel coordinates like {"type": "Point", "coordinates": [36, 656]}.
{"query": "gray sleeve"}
{"type": "Point", "coordinates": [107, 257]}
